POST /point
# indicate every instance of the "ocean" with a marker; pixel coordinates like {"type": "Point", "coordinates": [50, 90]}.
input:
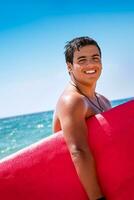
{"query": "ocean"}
{"type": "Point", "coordinates": [20, 131]}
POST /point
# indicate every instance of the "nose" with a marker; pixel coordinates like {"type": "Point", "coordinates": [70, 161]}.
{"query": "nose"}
{"type": "Point", "coordinates": [90, 62]}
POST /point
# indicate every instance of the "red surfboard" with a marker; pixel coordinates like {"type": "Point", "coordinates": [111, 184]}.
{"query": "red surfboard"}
{"type": "Point", "coordinates": [44, 170]}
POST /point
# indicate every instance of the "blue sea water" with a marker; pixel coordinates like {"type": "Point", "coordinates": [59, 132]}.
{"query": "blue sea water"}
{"type": "Point", "coordinates": [20, 131]}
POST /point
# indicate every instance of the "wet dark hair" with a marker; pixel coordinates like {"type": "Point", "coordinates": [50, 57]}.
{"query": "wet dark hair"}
{"type": "Point", "coordinates": [76, 44]}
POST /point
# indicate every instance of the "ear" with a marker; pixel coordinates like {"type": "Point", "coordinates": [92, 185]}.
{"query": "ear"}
{"type": "Point", "coordinates": [69, 67]}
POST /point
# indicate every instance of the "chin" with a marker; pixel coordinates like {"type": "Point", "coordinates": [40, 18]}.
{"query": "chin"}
{"type": "Point", "coordinates": [92, 80]}
{"type": "Point", "coordinates": [90, 83]}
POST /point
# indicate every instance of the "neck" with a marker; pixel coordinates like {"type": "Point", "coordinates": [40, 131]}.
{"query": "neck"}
{"type": "Point", "coordinates": [87, 89]}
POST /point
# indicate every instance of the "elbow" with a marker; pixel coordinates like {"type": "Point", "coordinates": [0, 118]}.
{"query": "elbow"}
{"type": "Point", "coordinates": [78, 152]}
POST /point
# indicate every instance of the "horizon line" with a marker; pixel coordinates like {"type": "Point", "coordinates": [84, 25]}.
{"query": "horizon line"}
{"type": "Point", "coordinates": [51, 110]}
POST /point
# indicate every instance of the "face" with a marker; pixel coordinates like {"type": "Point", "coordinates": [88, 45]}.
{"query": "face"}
{"type": "Point", "coordinates": [87, 64]}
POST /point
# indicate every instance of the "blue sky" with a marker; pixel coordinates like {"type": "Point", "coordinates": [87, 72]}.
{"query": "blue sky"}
{"type": "Point", "coordinates": [32, 39]}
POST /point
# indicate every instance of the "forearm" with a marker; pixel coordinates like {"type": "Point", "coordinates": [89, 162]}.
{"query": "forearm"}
{"type": "Point", "coordinates": [85, 168]}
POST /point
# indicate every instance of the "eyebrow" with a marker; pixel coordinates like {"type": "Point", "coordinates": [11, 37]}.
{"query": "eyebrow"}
{"type": "Point", "coordinates": [96, 55]}
{"type": "Point", "coordinates": [81, 57]}
{"type": "Point", "coordinates": [85, 56]}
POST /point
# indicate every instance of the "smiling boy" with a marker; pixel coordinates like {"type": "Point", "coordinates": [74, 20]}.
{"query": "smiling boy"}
{"type": "Point", "coordinates": [78, 102]}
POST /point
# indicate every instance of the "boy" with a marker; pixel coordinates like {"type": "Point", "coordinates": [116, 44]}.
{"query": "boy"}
{"type": "Point", "coordinates": [78, 102]}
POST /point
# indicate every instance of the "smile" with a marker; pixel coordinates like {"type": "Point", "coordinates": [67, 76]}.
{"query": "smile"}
{"type": "Point", "coordinates": [90, 71]}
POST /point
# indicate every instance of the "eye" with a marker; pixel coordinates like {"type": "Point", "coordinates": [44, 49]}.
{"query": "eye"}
{"type": "Point", "coordinates": [96, 59]}
{"type": "Point", "coordinates": [82, 61]}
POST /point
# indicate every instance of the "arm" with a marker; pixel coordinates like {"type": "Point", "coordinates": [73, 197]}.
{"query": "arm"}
{"type": "Point", "coordinates": [55, 123]}
{"type": "Point", "coordinates": [72, 119]}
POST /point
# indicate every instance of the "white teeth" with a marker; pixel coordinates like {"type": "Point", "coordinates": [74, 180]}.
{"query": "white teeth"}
{"type": "Point", "coordinates": [90, 71]}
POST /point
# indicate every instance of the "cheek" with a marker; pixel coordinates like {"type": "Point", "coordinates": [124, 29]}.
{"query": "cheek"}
{"type": "Point", "coordinates": [100, 67]}
{"type": "Point", "coordinates": [100, 70]}
{"type": "Point", "coordinates": [77, 67]}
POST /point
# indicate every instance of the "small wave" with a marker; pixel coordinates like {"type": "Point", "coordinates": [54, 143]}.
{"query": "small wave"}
{"type": "Point", "coordinates": [40, 126]}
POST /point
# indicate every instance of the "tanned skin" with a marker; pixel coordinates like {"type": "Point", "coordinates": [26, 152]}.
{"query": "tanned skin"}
{"type": "Point", "coordinates": [72, 110]}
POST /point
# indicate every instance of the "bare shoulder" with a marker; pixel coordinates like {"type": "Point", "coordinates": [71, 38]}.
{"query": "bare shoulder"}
{"type": "Point", "coordinates": [71, 108]}
{"type": "Point", "coordinates": [71, 103]}
{"type": "Point", "coordinates": [106, 101]}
